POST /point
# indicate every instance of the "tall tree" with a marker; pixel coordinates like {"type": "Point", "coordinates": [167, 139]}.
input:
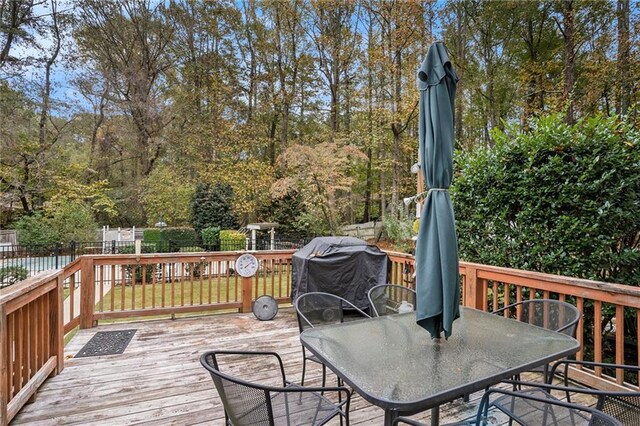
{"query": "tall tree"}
{"type": "Point", "coordinates": [16, 17]}
{"type": "Point", "coordinates": [127, 42]}
{"type": "Point", "coordinates": [333, 25]}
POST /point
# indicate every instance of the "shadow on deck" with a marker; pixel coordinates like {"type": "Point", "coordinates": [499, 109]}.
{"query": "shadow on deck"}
{"type": "Point", "coordinates": [159, 379]}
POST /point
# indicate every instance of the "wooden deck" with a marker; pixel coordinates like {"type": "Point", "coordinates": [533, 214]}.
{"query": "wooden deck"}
{"type": "Point", "coordinates": [159, 380]}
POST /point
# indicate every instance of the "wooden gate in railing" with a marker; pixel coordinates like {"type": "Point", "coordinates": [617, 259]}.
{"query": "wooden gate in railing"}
{"type": "Point", "coordinates": [490, 287]}
{"type": "Point", "coordinates": [31, 339]}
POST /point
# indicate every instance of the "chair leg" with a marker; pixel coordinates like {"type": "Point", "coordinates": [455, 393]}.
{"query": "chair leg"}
{"type": "Point", "coordinates": [304, 369]}
{"type": "Point", "coordinates": [516, 387]}
{"type": "Point", "coordinates": [324, 375]}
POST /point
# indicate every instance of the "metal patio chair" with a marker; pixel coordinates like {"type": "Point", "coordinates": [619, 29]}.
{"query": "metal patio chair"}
{"type": "Point", "coordinates": [315, 309]}
{"type": "Point", "coordinates": [388, 299]}
{"type": "Point", "coordinates": [551, 314]}
{"type": "Point", "coordinates": [538, 407]}
{"type": "Point", "coordinates": [252, 404]}
{"type": "Point", "coordinates": [621, 405]}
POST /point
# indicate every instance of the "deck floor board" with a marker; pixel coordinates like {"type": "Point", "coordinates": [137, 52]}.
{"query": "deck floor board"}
{"type": "Point", "coordinates": [158, 379]}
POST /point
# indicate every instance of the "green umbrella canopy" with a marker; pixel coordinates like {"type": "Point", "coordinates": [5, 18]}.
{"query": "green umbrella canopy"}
{"type": "Point", "coordinates": [437, 281]}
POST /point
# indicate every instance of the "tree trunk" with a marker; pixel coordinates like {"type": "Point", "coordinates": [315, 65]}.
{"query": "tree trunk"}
{"type": "Point", "coordinates": [624, 53]}
{"type": "Point", "coordinates": [569, 34]}
{"type": "Point", "coordinates": [46, 92]}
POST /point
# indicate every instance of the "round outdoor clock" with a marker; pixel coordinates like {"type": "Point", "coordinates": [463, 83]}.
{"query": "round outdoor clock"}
{"type": "Point", "coordinates": [247, 265]}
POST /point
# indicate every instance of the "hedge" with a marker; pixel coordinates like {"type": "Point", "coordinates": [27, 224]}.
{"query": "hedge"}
{"type": "Point", "coordinates": [560, 199]}
{"type": "Point", "coordinates": [232, 240]}
{"type": "Point", "coordinates": [170, 239]}
{"type": "Point", "coordinates": [211, 238]}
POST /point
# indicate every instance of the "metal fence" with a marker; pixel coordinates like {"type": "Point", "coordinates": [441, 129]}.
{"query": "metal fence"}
{"type": "Point", "coordinates": [18, 262]}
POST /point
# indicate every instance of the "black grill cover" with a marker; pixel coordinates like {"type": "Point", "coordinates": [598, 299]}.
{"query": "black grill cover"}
{"type": "Point", "coordinates": [345, 266]}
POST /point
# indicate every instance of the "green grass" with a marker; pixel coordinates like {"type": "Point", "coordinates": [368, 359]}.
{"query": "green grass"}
{"type": "Point", "coordinates": [191, 293]}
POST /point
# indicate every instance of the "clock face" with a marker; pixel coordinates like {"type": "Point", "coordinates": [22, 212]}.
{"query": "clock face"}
{"type": "Point", "coordinates": [247, 265]}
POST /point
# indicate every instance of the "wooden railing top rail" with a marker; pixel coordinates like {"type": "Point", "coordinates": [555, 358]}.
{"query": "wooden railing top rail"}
{"type": "Point", "coordinates": [578, 286]}
{"type": "Point", "coordinates": [183, 257]}
{"type": "Point", "coordinates": [70, 268]}
{"type": "Point", "coordinates": [26, 286]}
{"type": "Point", "coordinates": [598, 290]}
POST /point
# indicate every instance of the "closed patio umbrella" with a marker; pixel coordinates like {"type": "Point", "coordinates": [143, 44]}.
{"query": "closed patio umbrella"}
{"type": "Point", "coordinates": [437, 281]}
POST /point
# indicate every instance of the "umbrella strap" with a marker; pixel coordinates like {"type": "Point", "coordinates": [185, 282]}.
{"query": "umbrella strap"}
{"type": "Point", "coordinates": [421, 197]}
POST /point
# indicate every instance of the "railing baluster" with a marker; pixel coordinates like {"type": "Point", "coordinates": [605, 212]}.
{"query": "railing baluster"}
{"type": "Point", "coordinates": [101, 296]}
{"type": "Point", "coordinates": [597, 334]}
{"type": "Point", "coordinates": [219, 282]}
{"type": "Point", "coordinates": [172, 277]}
{"type": "Point", "coordinates": [637, 342]}
{"type": "Point", "coordinates": [191, 279]}
{"type": "Point", "coordinates": [153, 285]}
{"type": "Point", "coordinates": [143, 298]}
{"type": "Point", "coordinates": [11, 343]}
{"type": "Point", "coordinates": [123, 286]}
{"type": "Point", "coordinates": [113, 288]}
{"type": "Point", "coordinates": [181, 284]}
{"type": "Point", "coordinates": [134, 282]}
{"type": "Point", "coordinates": [201, 282]}
{"type": "Point", "coordinates": [163, 280]}
{"type": "Point", "coordinates": [72, 296]}
{"type": "Point", "coordinates": [210, 279]}
{"type": "Point", "coordinates": [619, 342]}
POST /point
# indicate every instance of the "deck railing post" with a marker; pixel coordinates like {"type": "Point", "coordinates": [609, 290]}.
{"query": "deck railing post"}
{"type": "Point", "coordinates": [473, 289]}
{"type": "Point", "coordinates": [4, 363]}
{"type": "Point", "coordinates": [57, 324]}
{"type": "Point", "coordinates": [87, 293]}
{"type": "Point", "coordinates": [246, 294]}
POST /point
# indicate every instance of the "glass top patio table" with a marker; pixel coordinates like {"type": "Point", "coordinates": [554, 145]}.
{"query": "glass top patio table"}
{"type": "Point", "coordinates": [394, 364]}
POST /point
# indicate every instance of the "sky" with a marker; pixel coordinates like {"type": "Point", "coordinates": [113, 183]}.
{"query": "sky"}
{"type": "Point", "coordinates": [29, 78]}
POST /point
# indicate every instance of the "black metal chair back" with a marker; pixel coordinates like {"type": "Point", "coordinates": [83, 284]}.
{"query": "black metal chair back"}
{"type": "Point", "coordinates": [537, 407]}
{"type": "Point", "coordinates": [546, 313]}
{"type": "Point", "coordinates": [623, 405]}
{"type": "Point", "coordinates": [252, 404]}
{"type": "Point", "coordinates": [317, 308]}
{"type": "Point", "coordinates": [388, 299]}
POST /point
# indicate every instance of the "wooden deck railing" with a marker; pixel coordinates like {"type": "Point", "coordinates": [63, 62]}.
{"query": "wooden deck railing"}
{"type": "Point", "coordinates": [602, 304]}
{"type": "Point", "coordinates": [124, 286]}
{"type": "Point", "coordinates": [36, 313]}
{"type": "Point", "coordinates": [31, 339]}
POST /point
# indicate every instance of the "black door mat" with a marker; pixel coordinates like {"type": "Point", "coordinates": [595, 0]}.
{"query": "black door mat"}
{"type": "Point", "coordinates": [107, 343]}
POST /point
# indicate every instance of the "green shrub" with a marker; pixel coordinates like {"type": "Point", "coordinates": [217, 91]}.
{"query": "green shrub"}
{"type": "Point", "coordinates": [211, 238]}
{"type": "Point", "coordinates": [211, 206]}
{"type": "Point", "coordinates": [179, 234]}
{"type": "Point", "coordinates": [74, 221]}
{"type": "Point", "coordinates": [232, 240]}
{"type": "Point", "coordinates": [560, 199]}
{"type": "Point", "coordinates": [12, 274]}
{"type": "Point", "coordinates": [153, 237]}
{"type": "Point", "coordinates": [35, 231]}
{"type": "Point", "coordinates": [399, 229]}
{"type": "Point", "coordinates": [151, 234]}
{"type": "Point", "coordinates": [170, 239]}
